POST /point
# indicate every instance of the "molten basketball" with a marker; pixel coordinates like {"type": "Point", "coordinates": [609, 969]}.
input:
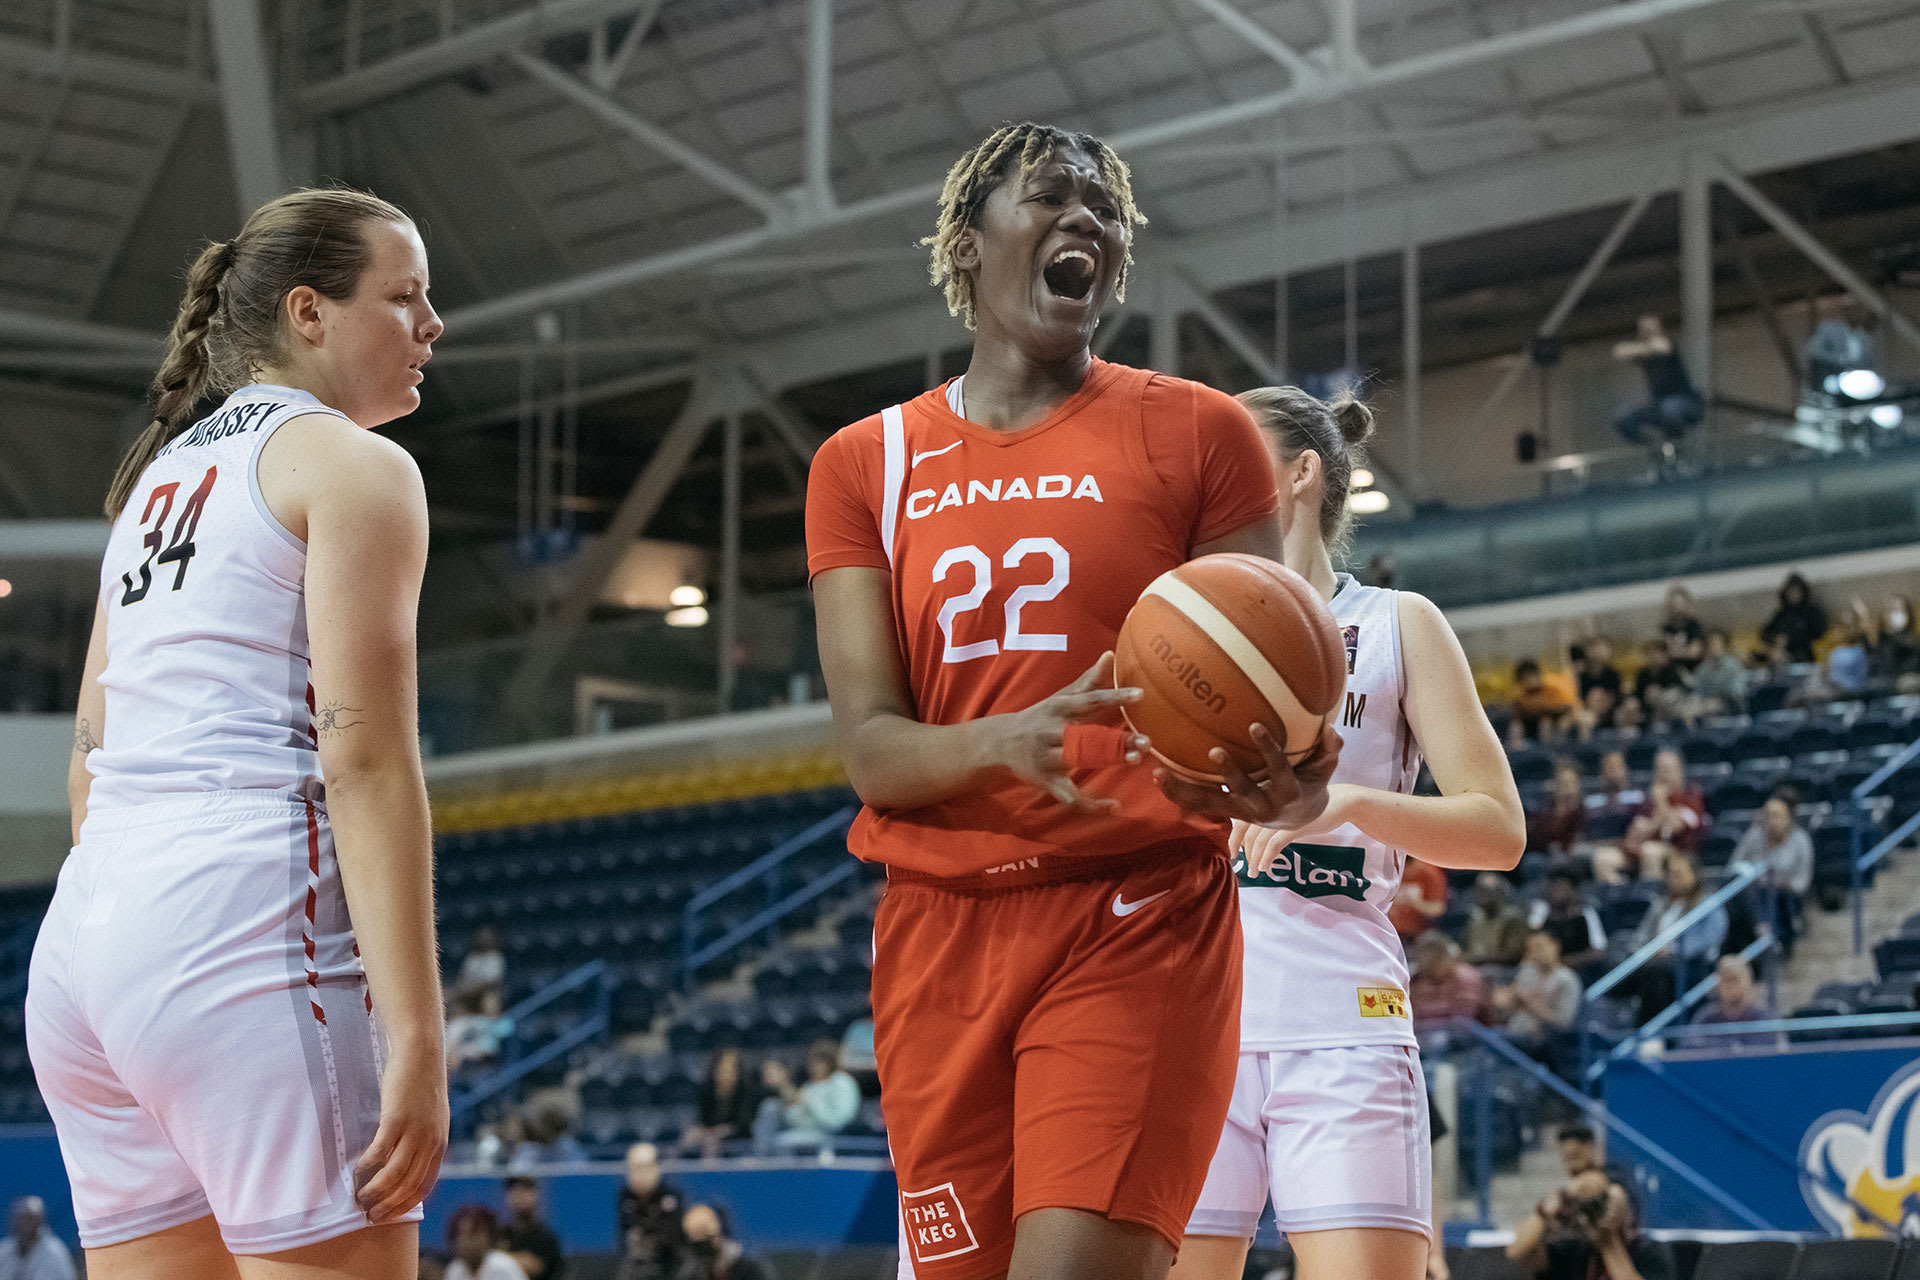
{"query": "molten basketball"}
{"type": "Point", "coordinates": [1222, 643]}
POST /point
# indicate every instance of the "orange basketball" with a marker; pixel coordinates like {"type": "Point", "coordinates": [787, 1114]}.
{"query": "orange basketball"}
{"type": "Point", "coordinates": [1222, 643]}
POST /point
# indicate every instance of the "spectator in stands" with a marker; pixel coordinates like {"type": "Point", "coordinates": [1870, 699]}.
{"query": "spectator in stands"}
{"type": "Point", "coordinates": [1896, 645]}
{"type": "Point", "coordinates": [485, 965]}
{"type": "Point", "coordinates": [1381, 571]}
{"type": "Point", "coordinates": [1660, 682]}
{"type": "Point", "coordinates": [1588, 1230]}
{"type": "Point", "coordinates": [729, 1099]}
{"type": "Point", "coordinates": [472, 1233]}
{"type": "Point", "coordinates": [1579, 1149]}
{"type": "Point", "coordinates": [808, 1114]}
{"type": "Point", "coordinates": [527, 1236]}
{"type": "Point", "coordinates": [1574, 924]}
{"type": "Point", "coordinates": [1442, 988]}
{"type": "Point", "coordinates": [1543, 998]}
{"type": "Point", "coordinates": [1538, 708]}
{"type": "Point", "coordinates": [1556, 827]}
{"type": "Point", "coordinates": [1847, 662]}
{"type": "Point", "coordinates": [432, 1266]}
{"type": "Point", "coordinates": [1736, 998]}
{"type": "Point", "coordinates": [1778, 842]}
{"type": "Point", "coordinates": [475, 1032]}
{"type": "Point", "coordinates": [1593, 667]}
{"type": "Point", "coordinates": [31, 1252]}
{"type": "Point", "coordinates": [1688, 956]}
{"type": "Point", "coordinates": [1673, 818]}
{"type": "Point", "coordinates": [1685, 638]}
{"type": "Point", "coordinates": [1614, 778]}
{"type": "Point", "coordinates": [1718, 686]}
{"type": "Point", "coordinates": [712, 1253]}
{"type": "Point", "coordinates": [1597, 713]}
{"type": "Point", "coordinates": [1496, 926]}
{"type": "Point", "coordinates": [1420, 900]}
{"type": "Point", "coordinates": [548, 1141]}
{"type": "Point", "coordinates": [1798, 621]}
{"type": "Point", "coordinates": [1630, 717]}
{"type": "Point", "coordinates": [1673, 404]}
{"type": "Point", "coordinates": [647, 1219]}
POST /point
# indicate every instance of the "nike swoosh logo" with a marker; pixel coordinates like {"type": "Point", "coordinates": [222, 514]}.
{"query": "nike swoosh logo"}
{"type": "Point", "coordinates": [919, 458]}
{"type": "Point", "coordinates": [1123, 908]}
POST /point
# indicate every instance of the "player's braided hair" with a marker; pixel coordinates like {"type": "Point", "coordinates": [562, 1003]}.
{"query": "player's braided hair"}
{"type": "Point", "coordinates": [976, 174]}
{"type": "Point", "coordinates": [1338, 432]}
{"type": "Point", "coordinates": [228, 326]}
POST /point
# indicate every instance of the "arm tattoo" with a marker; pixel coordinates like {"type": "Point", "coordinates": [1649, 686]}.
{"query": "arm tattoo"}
{"type": "Point", "coordinates": [334, 717]}
{"type": "Point", "coordinates": [83, 739]}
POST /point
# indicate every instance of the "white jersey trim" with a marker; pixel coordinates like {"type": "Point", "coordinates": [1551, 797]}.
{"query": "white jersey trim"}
{"type": "Point", "coordinates": [893, 436]}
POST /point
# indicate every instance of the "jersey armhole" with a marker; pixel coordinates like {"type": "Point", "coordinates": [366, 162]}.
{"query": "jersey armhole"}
{"type": "Point", "coordinates": [282, 418]}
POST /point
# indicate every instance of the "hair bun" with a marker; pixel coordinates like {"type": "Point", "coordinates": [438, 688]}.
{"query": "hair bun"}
{"type": "Point", "coordinates": [1354, 419]}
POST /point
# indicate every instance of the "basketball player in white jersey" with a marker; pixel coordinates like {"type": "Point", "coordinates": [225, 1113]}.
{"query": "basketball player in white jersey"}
{"type": "Point", "coordinates": [1329, 1113]}
{"type": "Point", "coordinates": [252, 869]}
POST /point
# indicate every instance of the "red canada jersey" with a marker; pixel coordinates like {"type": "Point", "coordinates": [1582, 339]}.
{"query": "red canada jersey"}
{"type": "Point", "coordinates": [1014, 558]}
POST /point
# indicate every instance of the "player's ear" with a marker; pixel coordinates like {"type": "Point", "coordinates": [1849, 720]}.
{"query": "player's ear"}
{"type": "Point", "coordinates": [1304, 473]}
{"type": "Point", "coordinates": [966, 249]}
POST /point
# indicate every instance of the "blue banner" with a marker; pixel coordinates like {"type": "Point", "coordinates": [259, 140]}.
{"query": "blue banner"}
{"type": "Point", "coordinates": [1811, 1139]}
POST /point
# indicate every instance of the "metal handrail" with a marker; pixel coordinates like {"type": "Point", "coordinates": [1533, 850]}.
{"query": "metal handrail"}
{"type": "Point", "coordinates": [1828, 1022]}
{"type": "Point", "coordinates": [1658, 943]}
{"type": "Point", "coordinates": [1597, 1114]}
{"type": "Point", "coordinates": [1863, 859]}
{"type": "Point", "coordinates": [594, 1024]}
{"type": "Point", "coordinates": [764, 868]}
{"type": "Point", "coordinates": [1658, 1024]}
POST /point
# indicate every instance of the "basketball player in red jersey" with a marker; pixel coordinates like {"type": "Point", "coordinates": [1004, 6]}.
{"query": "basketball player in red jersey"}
{"type": "Point", "coordinates": [1057, 957]}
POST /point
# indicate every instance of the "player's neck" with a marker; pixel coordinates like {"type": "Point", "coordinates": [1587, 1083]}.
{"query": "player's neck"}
{"type": "Point", "coordinates": [1006, 391]}
{"type": "Point", "coordinates": [1306, 555]}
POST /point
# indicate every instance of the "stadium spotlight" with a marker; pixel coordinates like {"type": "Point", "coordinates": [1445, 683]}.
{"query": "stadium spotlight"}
{"type": "Point", "coordinates": [1886, 415]}
{"type": "Point", "coordinates": [1371, 502]}
{"type": "Point", "coordinates": [1362, 478]}
{"type": "Point", "coordinates": [685, 597]}
{"type": "Point", "coordinates": [6, 588]}
{"type": "Point", "coordinates": [694, 616]}
{"type": "Point", "coordinates": [1860, 384]}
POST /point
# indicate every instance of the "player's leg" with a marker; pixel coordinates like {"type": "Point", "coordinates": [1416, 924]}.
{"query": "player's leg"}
{"type": "Point", "coordinates": [1351, 1165]}
{"type": "Point", "coordinates": [190, 1251]}
{"type": "Point", "coordinates": [389, 1252]}
{"type": "Point", "coordinates": [1125, 1069]}
{"type": "Point", "coordinates": [1072, 1244]}
{"type": "Point", "coordinates": [1211, 1258]}
{"type": "Point", "coordinates": [1379, 1253]}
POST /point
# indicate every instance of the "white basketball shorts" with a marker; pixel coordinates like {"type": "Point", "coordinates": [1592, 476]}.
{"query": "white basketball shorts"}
{"type": "Point", "coordinates": [1338, 1136]}
{"type": "Point", "coordinates": [200, 1026]}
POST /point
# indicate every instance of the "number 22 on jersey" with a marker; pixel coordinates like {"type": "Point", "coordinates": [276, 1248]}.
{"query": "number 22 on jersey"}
{"type": "Point", "coordinates": [982, 566]}
{"type": "Point", "coordinates": [177, 551]}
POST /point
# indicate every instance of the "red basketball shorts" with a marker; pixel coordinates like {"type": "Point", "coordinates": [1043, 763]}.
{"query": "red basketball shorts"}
{"type": "Point", "coordinates": [1066, 1045]}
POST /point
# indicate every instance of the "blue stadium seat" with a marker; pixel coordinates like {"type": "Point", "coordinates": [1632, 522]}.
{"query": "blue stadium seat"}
{"type": "Point", "coordinates": [1896, 954]}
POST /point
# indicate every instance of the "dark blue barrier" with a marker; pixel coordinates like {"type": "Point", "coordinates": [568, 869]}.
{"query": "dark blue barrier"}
{"type": "Point", "coordinates": [772, 1204]}
{"type": "Point", "coordinates": [1813, 1138]}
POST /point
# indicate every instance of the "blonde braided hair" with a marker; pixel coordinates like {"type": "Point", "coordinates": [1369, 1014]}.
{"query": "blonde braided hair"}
{"type": "Point", "coordinates": [976, 174]}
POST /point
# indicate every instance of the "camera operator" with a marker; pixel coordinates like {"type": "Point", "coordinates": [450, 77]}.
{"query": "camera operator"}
{"type": "Point", "coordinates": [1587, 1230]}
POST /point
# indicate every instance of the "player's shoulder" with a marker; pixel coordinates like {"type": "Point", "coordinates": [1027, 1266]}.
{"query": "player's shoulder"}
{"type": "Point", "coordinates": [1202, 406]}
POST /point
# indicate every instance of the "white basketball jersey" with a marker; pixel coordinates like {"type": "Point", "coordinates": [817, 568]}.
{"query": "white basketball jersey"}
{"type": "Point", "coordinates": [204, 594]}
{"type": "Point", "coordinates": [1324, 966]}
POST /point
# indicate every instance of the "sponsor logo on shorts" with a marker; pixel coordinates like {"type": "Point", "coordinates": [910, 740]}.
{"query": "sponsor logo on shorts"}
{"type": "Point", "coordinates": [1025, 864]}
{"type": "Point", "coordinates": [1123, 908]}
{"type": "Point", "coordinates": [1382, 1002]}
{"type": "Point", "coordinates": [1313, 871]}
{"type": "Point", "coordinates": [936, 1224]}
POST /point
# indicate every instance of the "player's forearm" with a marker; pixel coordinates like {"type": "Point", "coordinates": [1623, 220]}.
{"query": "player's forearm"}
{"type": "Point", "coordinates": [1465, 831]}
{"type": "Point", "coordinates": [383, 840]}
{"type": "Point", "coordinates": [897, 763]}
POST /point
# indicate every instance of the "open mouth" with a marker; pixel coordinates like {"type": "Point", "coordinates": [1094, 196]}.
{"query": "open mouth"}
{"type": "Point", "coordinates": [1070, 274]}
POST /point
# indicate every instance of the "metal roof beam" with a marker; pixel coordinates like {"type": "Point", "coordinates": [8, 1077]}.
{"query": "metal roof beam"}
{"type": "Point", "coordinates": [34, 328]}
{"type": "Point", "coordinates": [49, 62]}
{"type": "Point", "coordinates": [1365, 79]}
{"type": "Point", "coordinates": [650, 134]}
{"type": "Point", "coordinates": [246, 100]}
{"type": "Point", "coordinates": [819, 125]}
{"type": "Point", "coordinates": [1259, 37]}
{"type": "Point", "coordinates": [455, 53]}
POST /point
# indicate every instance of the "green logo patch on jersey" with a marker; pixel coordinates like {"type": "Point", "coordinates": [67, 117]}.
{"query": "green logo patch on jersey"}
{"type": "Point", "coordinates": [1312, 871]}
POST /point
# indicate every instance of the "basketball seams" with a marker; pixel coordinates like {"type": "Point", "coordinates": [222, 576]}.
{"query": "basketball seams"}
{"type": "Point", "coordinates": [1170, 716]}
{"type": "Point", "coordinates": [1237, 648]}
